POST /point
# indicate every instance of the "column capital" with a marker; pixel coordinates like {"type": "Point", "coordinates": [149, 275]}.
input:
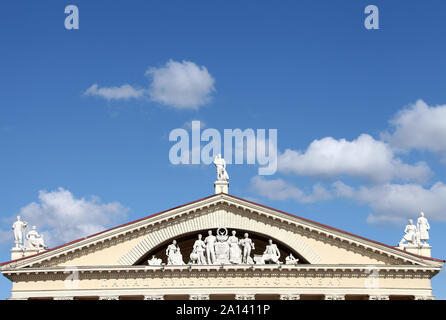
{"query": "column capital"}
{"type": "Point", "coordinates": [424, 298]}
{"type": "Point", "coordinates": [334, 297]}
{"type": "Point", "coordinates": [379, 297]}
{"type": "Point", "coordinates": [154, 297]}
{"type": "Point", "coordinates": [245, 297]}
{"type": "Point", "coordinates": [199, 297]}
{"type": "Point", "coordinates": [290, 297]}
{"type": "Point", "coordinates": [109, 298]}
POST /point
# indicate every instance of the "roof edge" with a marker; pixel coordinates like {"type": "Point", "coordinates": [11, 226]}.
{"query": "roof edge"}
{"type": "Point", "coordinates": [230, 196]}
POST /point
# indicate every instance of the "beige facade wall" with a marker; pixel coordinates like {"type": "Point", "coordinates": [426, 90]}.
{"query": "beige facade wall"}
{"type": "Point", "coordinates": [230, 281]}
{"type": "Point", "coordinates": [314, 248]}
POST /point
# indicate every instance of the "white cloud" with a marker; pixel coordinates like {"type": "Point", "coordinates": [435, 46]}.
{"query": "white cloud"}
{"type": "Point", "coordinates": [182, 85]}
{"type": "Point", "coordinates": [419, 127]}
{"type": "Point", "coordinates": [124, 92]}
{"type": "Point", "coordinates": [394, 203]}
{"type": "Point", "coordinates": [280, 190]}
{"type": "Point", "coordinates": [62, 218]}
{"type": "Point", "coordinates": [390, 203]}
{"type": "Point", "coordinates": [363, 157]}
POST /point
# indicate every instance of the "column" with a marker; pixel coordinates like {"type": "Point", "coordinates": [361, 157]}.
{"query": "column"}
{"type": "Point", "coordinates": [245, 297]}
{"type": "Point", "coordinates": [290, 297]}
{"type": "Point", "coordinates": [334, 297]}
{"type": "Point", "coordinates": [109, 298]}
{"type": "Point", "coordinates": [154, 297]}
{"type": "Point", "coordinates": [63, 298]}
{"type": "Point", "coordinates": [199, 297]}
{"type": "Point", "coordinates": [379, 297]}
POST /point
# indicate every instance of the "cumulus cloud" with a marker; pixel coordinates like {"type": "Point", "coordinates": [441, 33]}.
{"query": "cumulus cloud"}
{"type": "Point", "coordinates": [124, 92]}
{"type": "Point", "coordinates": [182, 85]}
{"type": "Point", "coordinates": [280, 190]}
{"type": "Point", "coordinates": [363, 157]}
{"type": "Point", "coordinates": [62, 218]}
{"type": "Point", "coordinates": [419, 127]}
{"type": "Point", "coordinates": [394, 203]}
{"type": "Point", "coordinates": [390, 203]}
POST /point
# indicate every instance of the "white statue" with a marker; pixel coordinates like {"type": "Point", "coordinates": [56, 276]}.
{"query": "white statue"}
{"type": "Point", "coordinates": [34, 240]}
{"type": "Point", "coordinates": [220, 164]}
{"type": "Point", "coordinates": [247, 246]}
{"type": "Point", "coordinates": [222, 247]}
{"type": "Point", "coordinates": [174, 256]}
{"type": "Point", "coordinates": [272, 253]}
{"type": "Point", "coordinates": [291, 259]}
{"type": "Point", "coordinates": [423, 230]}
{"type": "Point", "coordinates": [18, 228]}
{"type": "Point", "coordinates": [210, 247]}
{"type": "Point", "coordinates": [154, 261]}
{"type": "Point", "coordinates": [410, 234]}
{"type": "Point", "coordinates": [235, 253]}
{"type": "Point", "coordinates": [197, 255]}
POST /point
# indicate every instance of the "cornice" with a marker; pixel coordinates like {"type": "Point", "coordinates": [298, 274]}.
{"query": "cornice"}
{"type": "Point", "coordinates": [275, 216]}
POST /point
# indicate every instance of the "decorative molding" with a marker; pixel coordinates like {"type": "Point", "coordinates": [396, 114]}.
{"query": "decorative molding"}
{"type": "Point", "coordinates": [215, 219]}
{"type": "Point", "coordinates": [274, 218]}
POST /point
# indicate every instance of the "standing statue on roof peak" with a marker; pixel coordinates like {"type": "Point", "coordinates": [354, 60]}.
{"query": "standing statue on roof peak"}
{"type": "Point", "coordinates": [220, 164]}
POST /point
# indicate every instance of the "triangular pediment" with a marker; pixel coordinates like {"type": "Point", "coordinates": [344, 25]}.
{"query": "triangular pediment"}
{"type": "Point", "coordinates": [127, 244]}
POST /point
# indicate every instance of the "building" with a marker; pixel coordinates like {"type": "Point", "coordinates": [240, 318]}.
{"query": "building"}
{"type": "Point", "coordinates": [291, 258]}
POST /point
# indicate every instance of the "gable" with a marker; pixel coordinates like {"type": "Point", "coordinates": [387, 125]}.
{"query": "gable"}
{"type": "Point", "coordinates": [316, 243]}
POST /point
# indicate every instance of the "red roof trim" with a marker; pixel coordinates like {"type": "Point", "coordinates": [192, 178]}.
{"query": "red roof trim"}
{"type": "Point", "coordinates": [211, 196]}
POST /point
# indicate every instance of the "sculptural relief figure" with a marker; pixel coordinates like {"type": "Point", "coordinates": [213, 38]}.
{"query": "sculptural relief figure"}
{"type": "Point", "coordinates": [235, 253]}
{"type": "Point", "coordinates": [291, 259]}
{"type": "Point", "coordinates": [222, 247]}
{"type": "Point", "coordinates": [410, 234]}
{"type": "Point", "coordinates": [210, 247]}
{"type": "Point", "coordinates": [197, 255]}
{"type": "Point", "coordinates": [34, 240]}
{"type": "Point", "coordinates": [423, 230]}
{"type": "Point", "coordinates": [154, 261]}
{"type": "Point", "coordinates": [247, 246]}
{"type": "Point", "coordinates": [18, 228]}
{"type": "Point", "coordinates": [174, 256]}
{"type": "Point", "coordinates": [220, 164]}
{"type": "Point", "coordinates": [272, 253]}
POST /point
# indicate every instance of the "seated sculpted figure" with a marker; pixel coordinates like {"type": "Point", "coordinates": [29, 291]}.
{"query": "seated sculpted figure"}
{"type": "Point", "coordinates": [410, 234]}
{"type": "Point", "coordinates": [174, 256]}
{"type": "Point", "coordinates": [35, 240]}
{"type": "Point", "coordinates": [291, 259]}
{"type": "Point", "coordinates": [272, 253]}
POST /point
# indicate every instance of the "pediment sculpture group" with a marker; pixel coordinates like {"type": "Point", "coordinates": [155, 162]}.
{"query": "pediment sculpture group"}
{"type": "Point", "coordinates": [31, 241]}
{"type": "Point", "coordinates": [416, 235]}
{"type": "Point", "coordinates": [223, 249]}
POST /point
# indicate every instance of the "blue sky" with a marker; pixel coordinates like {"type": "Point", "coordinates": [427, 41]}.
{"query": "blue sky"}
{"type": "Point", "coordinates": [75, 161]}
